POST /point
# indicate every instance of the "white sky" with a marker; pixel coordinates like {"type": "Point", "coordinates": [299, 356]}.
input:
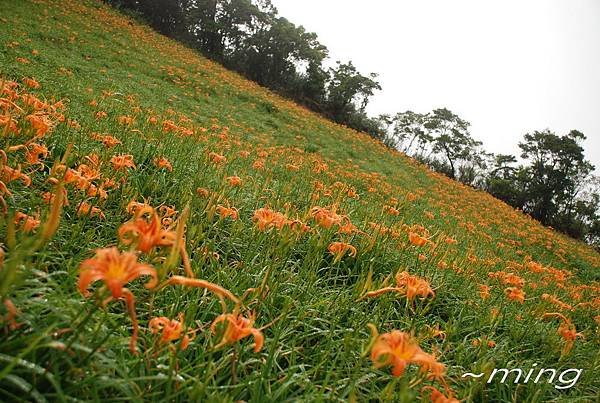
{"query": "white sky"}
{"type": "Point", "coordinates": [507, 66]}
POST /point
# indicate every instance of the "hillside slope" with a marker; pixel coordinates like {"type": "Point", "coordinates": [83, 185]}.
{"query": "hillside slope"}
{"type": "Point", "coordinates": [299, 218]}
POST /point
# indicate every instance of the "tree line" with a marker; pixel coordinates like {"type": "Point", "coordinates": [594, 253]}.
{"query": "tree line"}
{"type": "Point", "coordinates": [251, 38]}
{"type": "Point", "coordinates": [552, 182]}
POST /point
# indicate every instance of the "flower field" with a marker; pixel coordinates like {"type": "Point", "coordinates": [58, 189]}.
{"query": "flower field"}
{"type": "Point", "coordinates": [171, 231]}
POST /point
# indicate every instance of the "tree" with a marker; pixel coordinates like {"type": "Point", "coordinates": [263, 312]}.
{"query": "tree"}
{"type": "Point", "coordinates": [222, 28]}
{"type": "Point", "coordinates": [407, 129]}
{"type": "Point", "coordinates": [349, 91]}
{"type": "Point", "coordinates": [166, 16]}
{"type": "Point", "coordinates": [250, 37]}
{"type": "Point", "coordinates": [507, 182]}
{"type": "Point", "coordinates": [451, 138]}
{"type": "Point", "coordinates": [312, 90]}
{"type": "Point", "coordinates": [554, 186]}
{"type": "Point", "coordinates": [275, 54]}
{"type": "Point", "coordinates": [441, 140]}
{"type": "Point", "coordinates": [557, 172]}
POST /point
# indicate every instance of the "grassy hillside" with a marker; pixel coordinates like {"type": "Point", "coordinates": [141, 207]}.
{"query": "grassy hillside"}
{"type": "Point", "coordinates": [257, 209]}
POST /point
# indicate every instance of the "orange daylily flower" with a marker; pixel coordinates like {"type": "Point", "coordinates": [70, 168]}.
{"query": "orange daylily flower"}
{"type": "Point", "coordinates": [9, 174]}
{"type": "Point", "coordinates": [508, 278]}
{"type": "Point", "coordinates": [217, 158]}
{"type": "Point", "coordinates": [133, 206]}
{"type": "Point", "coordinates": [352, 194]}
{"type": "Point", "coordinates": [535, 267]}
{"type": "Point", "coordinates": [477, 342]}
{"type": "Point", "coordinates": [125, 120]}
{"type": "Point", "coordinates": [110, 141]}
{"type": "Point", "coordinates": [515, 294]}
{"type": "Point", "coordinates": [93, 191]}
{"type": "Point", "coordinates": [86, 208]}
{"type": "Point", "coordinates": [162, 162]}
{"type": "Point", "coordinates": [435, 331]}
{"type": "Point", "coordinates": [169, 126]}
{"type": "Point", "coordinates": [4, 191]}
{"type": "Point", "coordinates": [171, 330]}
{"type": "Point", "coordinates": [122, 162]}
{"type": "Point", "coordinates": [167, 211]}
{"type": "Point", "coordinates": [408, 285]}
{"type": "Point", "coordinates": [450, 241]}
{"type": "Point", "coordinates": [109, 184]}
{"type": "Point", "coordinates": [80, 181]}
{"type": "Point", "coordinates": [11, 315]}
{"type": "Point", "coordinates": [484, 291]}
{"type": "Point", "coordinates": [48, 197]}
{"type": "Point", "coordinates": [391, 210]}
{"type": "Point", "coordinates": [438, 397]}
{"type": "Point", "coordinates": [116, 269]}
{"type": "Point", "coordinates": [320, 167]}
{"type": "Point", "coordinates": [266, 218]}
{"type": "Point", "coordinates": [566, 330]}
{"type": "Point", "coordinates": [339, 249]}
{"type": "Point", "coordinates": [348, 228]}
{"type": "Point", "coordinates": [145, 231]}
{"type": "Point", "coordinates": [28, 223]}
{"type": "Point", "coordinates": [238, 327]}
{"type": "Point", "coordinates": [34, 152]}
{"type": "Point", "coordinates": [9, 124]}
{"type": "Point", "coordinates": [31, 83]}
{"type": "Point", "coordinates": [225, 212]}
{"type": "Point", "coordinates": [34, 102]}
{"type": "Point", "coordinates": [234, 180]}
{"type": "Point", "coordinates": [40, 123]}
{"type": "Point", "coordinates": [417, 239]}
{"type": "Point", "coordinates": [399, 350]}
{"type": "Point", "coordinates": [326, 218]}
{"type": "Point", "coordinates": [202, 192]}
{"type": "Point", "coordinates": [259, 164]}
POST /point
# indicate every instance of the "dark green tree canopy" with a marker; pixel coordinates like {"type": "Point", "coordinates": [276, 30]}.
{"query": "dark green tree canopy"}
{"type": "Point", "coordinates": [349, 91]}
{"type": "Point", "coordinates": [557, 170]}
{"type": "Point", "coordinates": [250, 37]}
{"type": "Point", "coordinates": [555, 184]}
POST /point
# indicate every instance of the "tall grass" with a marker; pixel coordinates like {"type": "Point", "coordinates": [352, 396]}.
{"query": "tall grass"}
{"type": "Point", "coordinates": [110, 87]}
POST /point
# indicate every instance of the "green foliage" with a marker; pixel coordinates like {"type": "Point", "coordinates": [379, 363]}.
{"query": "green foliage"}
{"type": "Point", "coordinates": [440, 139]}
{"type": "Point", "coordinates": [554, 187]}
{"type": "Point", "coordinates": [69, 347]}
{"type": "Point", "coordinates": [249, 36]}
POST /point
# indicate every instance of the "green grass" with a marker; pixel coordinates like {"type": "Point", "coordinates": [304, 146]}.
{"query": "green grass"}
{"type": "Point", "coordinates": [316, 344]}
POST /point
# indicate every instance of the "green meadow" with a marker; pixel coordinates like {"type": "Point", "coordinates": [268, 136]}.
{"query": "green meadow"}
{"type": "Point", "coordinates": [279, 242]}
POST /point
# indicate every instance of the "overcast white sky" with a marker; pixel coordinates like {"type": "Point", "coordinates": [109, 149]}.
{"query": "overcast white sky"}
{"type": "Point", "coordinates": [506, 66]}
